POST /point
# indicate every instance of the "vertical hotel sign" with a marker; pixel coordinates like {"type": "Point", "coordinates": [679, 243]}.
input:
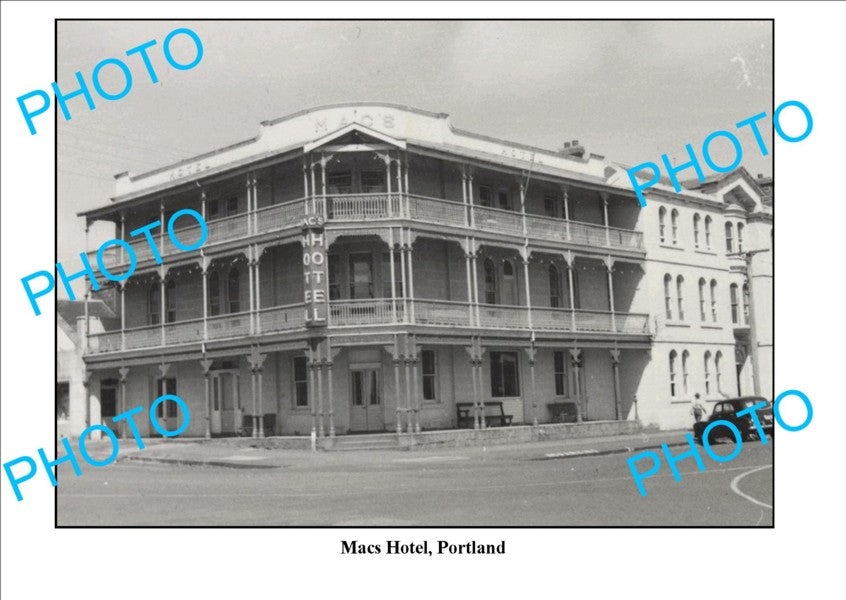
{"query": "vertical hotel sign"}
{"type": "Point", "coordinates": [314, 270]}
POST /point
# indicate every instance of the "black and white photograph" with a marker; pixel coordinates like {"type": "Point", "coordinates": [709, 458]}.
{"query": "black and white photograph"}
{"type": "Point", "coordinates": [486, 287]}
{"type": "Point", "coordinates": [436, 299]}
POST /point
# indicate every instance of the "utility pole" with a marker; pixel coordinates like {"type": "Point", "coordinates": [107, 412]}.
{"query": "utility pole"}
{"type": "Point", "coordinates": [753, 331]}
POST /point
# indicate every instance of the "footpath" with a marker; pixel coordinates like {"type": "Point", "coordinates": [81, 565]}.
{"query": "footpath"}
{"type": "Point", "coordinates": [223, 453]}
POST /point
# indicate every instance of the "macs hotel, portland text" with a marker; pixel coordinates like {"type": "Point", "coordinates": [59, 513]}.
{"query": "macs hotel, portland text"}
{"type": "Point", "coordinates": [369, 267]}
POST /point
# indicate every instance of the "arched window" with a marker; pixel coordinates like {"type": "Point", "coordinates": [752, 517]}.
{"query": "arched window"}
{"type": "Point", "coordinates": [155, 303]}
{"type": "Point", "coordinates": [668, 301]}
{"type": "Point", "coordinates": [233, 287]}
{"type": "Point", "coordinates": [509, 283]}
{"type": "Point", "coordinates": [673, 356]}
{"type": "Point", "coordinates": [733, 294]}
{"type": "Point", "coordinates": [696, 219]}
{"type": "Point", "coordinates": [680, 296]}
{"type": "Point", "coordinates": [746, 304]}
{"type": "Point", "coordinates": [707, 373]}
{"type": "Point", "coordinates": [702, 284]}
{"type": "Point", "coordinates": [662, 224]}
{"type": "Point", "coordinates": [708, 232]}
{"type": "Point", "coordinates": [714, 300]}
{"type": "Point", "coordinates": [554, 287]}
{"type": "Point", "coordinates": [740, 237]}
{"type": "Point", "coordinates": [674, 225]}
{"type": "Point", "coordinates": [214, 293]}
{"type": "Point", "coordinates": [170, 301]}
{"type": "Point", "coordinates": [685, 357]}
{"type": "Point", "coordinates": [717, 360]}
{"type": "Point", "coordinates": [729, 241]}
{"type": "Point", "coordinates": [490, 281]}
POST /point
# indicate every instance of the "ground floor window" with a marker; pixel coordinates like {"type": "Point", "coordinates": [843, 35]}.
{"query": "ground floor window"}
{"type": "Point", "coordinates": [505, 380]}
{"type": "Point", "coordinates": [164, 387]}
{"type": "Point", "coordinates": [62, 401]}
{"type": "Point", "coordinates": [300, 382]}
{"type": "Point", "coordinates": [560, 372]}
{"type": "Point", "coordinates": [429, 365]}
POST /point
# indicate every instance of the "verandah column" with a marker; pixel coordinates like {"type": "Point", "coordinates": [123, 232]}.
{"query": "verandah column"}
{"type": "Point", "coordinates": [480, 352]}
{"type": "Point", "coordinates": [574, 355]}
{"type": "Point", "coordinates": [204, 270]}
{"type": "Point", "coordinates": [409, 402]}
{"type": "Point", "coordinates": [468, 269]}
{"type": "Point", "coordinates": [403, 277]}
{"type": "Point", "coordinates": [250, 267]}
{"type": "Point", "coordinates": [331, 353]}
{"type": "Point", "coordinates": [124, 373]}
{"type": "Point", "coordinates": [415, 365]}
{"type": "Point", "coordinates": [396, 360]}
{"type": "Point", "coordinates": [122, 285]}
{"type": "Point", "coordinates": [615, 362]}
{"type": "Point", "coordinates": [565, 190]}
{"type": "Point", "coordinates": [410, 293]}
{"type": "Point", "coordinates": [570, 260]}
{"type": "Point", "coordinates": [312, 360]}
{"type": "Point", "coordinates": [525, 255]}
{"type": "Point", "coordinates": [531, 352]}
{"type": "Point", "coordinates": [609, 265]}
{"type": "Point", "coordinates": [321, 431]}
{"type": "Point", "coordinates": [206, 364]}
{"type": "Point", "coordinates": [604, 196]}
{"type": "Point", "coordinates": [162, 290]}
{"type": "Point", "coordinates": [471, 351]}
{"type": "Point", "coordinates": [393, 275]}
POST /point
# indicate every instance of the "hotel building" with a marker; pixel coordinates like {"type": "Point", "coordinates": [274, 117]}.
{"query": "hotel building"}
{"type": "Point", "coordinates": [368, 267]}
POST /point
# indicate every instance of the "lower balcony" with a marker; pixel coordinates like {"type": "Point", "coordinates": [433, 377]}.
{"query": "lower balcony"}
{"type": "Point", "coordinates": [371, 312]}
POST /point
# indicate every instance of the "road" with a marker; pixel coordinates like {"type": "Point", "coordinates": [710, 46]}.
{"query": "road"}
{"type": "Point", "coordinates": [516, 486]}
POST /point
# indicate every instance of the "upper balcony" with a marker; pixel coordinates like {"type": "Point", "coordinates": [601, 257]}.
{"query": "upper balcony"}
{"type": "Point", "coordinates": [345, 314]}
{"type": "Point", "coordinates": [415, 209]}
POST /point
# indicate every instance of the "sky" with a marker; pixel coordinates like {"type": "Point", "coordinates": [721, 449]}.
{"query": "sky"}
{"type": "Point", "coordinates": [628, 90]}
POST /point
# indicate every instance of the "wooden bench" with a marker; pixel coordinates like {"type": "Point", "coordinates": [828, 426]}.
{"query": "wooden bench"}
{"type": "Point", "coordinates": [563, 412]}
{"type": "Point", "coordinates": [494, 414]}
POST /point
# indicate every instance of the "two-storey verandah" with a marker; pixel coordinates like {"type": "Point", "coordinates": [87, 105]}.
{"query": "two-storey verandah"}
{"type": "Point", "coordinates": [217, 350]}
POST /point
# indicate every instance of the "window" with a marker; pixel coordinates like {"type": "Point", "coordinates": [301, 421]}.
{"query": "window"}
{"type": "Point", "coordinates": [373, 182]}
{"type": "Point", "coordinates": [707, 373]}
{"type": "Point", "coordinates": [335, 276]}
{"type": "Point", "coordinates": [170, 300]}
{"type": "Point", "coordinates": [166, 409]}
{"type": "Point", "coordinates": [300, 368]}
{"type": "Point", "coordinates": [504, 199]}
{"type": "Point", "coordinates": [212, 210]}
{"type": "Point", "coordinates": [231, 206]}
{"type": "Point", "coordinates": [62, 401]}
{"type": "Point", "coordinates": [733, 294]}
{"type": "Point", "coordinates": [214, 293]}
{"type": "Point", "coordinates": [746, 304]}
{"type": "Point", "coordinates": [729, 241]}
{"type": "Point", "coordinates": [560, 369]}
{"type": "Point", "coordinates": [429, 365]}
{"type": "Point", "coordinates": [386, 275]}
{"type": "Point", "coordinates": [685, 375]}
{"type": "Point", "coordinates": [155, 304]}
{"type": "Point", "coordinates": [490, 281]}
{"type": "Point", "coordinates": [714, 300]}
{"type": "Point", "coordinates": [505, 381]}
{"type": "Point", "coordinates": [668, 300]}
{"type": "Point", "coordinates": [702, 299]}
{"type": "Point", "coordinates": [708, 232]}
{"type": "Point", "coordinates": [662, 224]}
{"type": "Point", "coordinates": [717, 361]}
{"type": "Point", "coordinates": [550, 205]}
{"type": "Point", "coordinates": [673, 357]}
{"type": "Point", "coordinates": [554, 287]}
{"type": "Point", "coordinates": [674, 225]}
{"type": "Point", "coordinates": [696, 219]}
{"type": "Point", "coordinates": [339, 183]}
{"type": "Point", "coordinates": [361, 276]}
{"type": "Point", "coordinates": [740, 237]}
{"type": "Point", "coordinates": [485, 196]}
{"type": "Point", "coordinates": [509, 291]}
{"type": "Point", "coordinates": [680, 296]}
{"type": "Point", "coordinates": [234, 290]}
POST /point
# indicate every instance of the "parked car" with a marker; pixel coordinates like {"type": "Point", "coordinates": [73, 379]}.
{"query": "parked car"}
{"type": "Point", "coordinates": [726, 410]}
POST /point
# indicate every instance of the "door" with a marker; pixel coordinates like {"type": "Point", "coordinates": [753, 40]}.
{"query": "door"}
{"type": "Point", "coordinates": [108, 405]}
{"type": "Point", "coordinates": [225, 403]}
{"type": "Point", "coordinates": [366, 412]}
{"type": "Point", "coordinates": [168, 413]}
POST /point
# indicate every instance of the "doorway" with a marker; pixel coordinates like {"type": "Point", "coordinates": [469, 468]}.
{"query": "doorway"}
{"type": "Point", "coordinates": [366, 411]}
{"type": "Point", "coordinates": [225, 403]}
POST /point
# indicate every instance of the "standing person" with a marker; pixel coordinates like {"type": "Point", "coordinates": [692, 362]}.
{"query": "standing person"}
{"type": "Point", "coordinates": [697, 410]}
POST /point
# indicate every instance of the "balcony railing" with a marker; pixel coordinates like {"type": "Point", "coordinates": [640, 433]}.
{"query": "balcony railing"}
{"type": "Point", "coordinates": [376, 311]}
{"type": "Point", "coordinates": [367, 207]}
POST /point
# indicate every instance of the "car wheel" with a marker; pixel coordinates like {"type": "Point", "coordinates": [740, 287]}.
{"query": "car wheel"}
{"type": "Point", "coordinates": [698, 440]}
{"type": "Point", "coordinates": [747, 436]}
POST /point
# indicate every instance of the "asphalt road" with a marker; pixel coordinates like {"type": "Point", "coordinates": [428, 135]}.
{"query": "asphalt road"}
{"type": "Point", "coordinates": [457, 487]}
